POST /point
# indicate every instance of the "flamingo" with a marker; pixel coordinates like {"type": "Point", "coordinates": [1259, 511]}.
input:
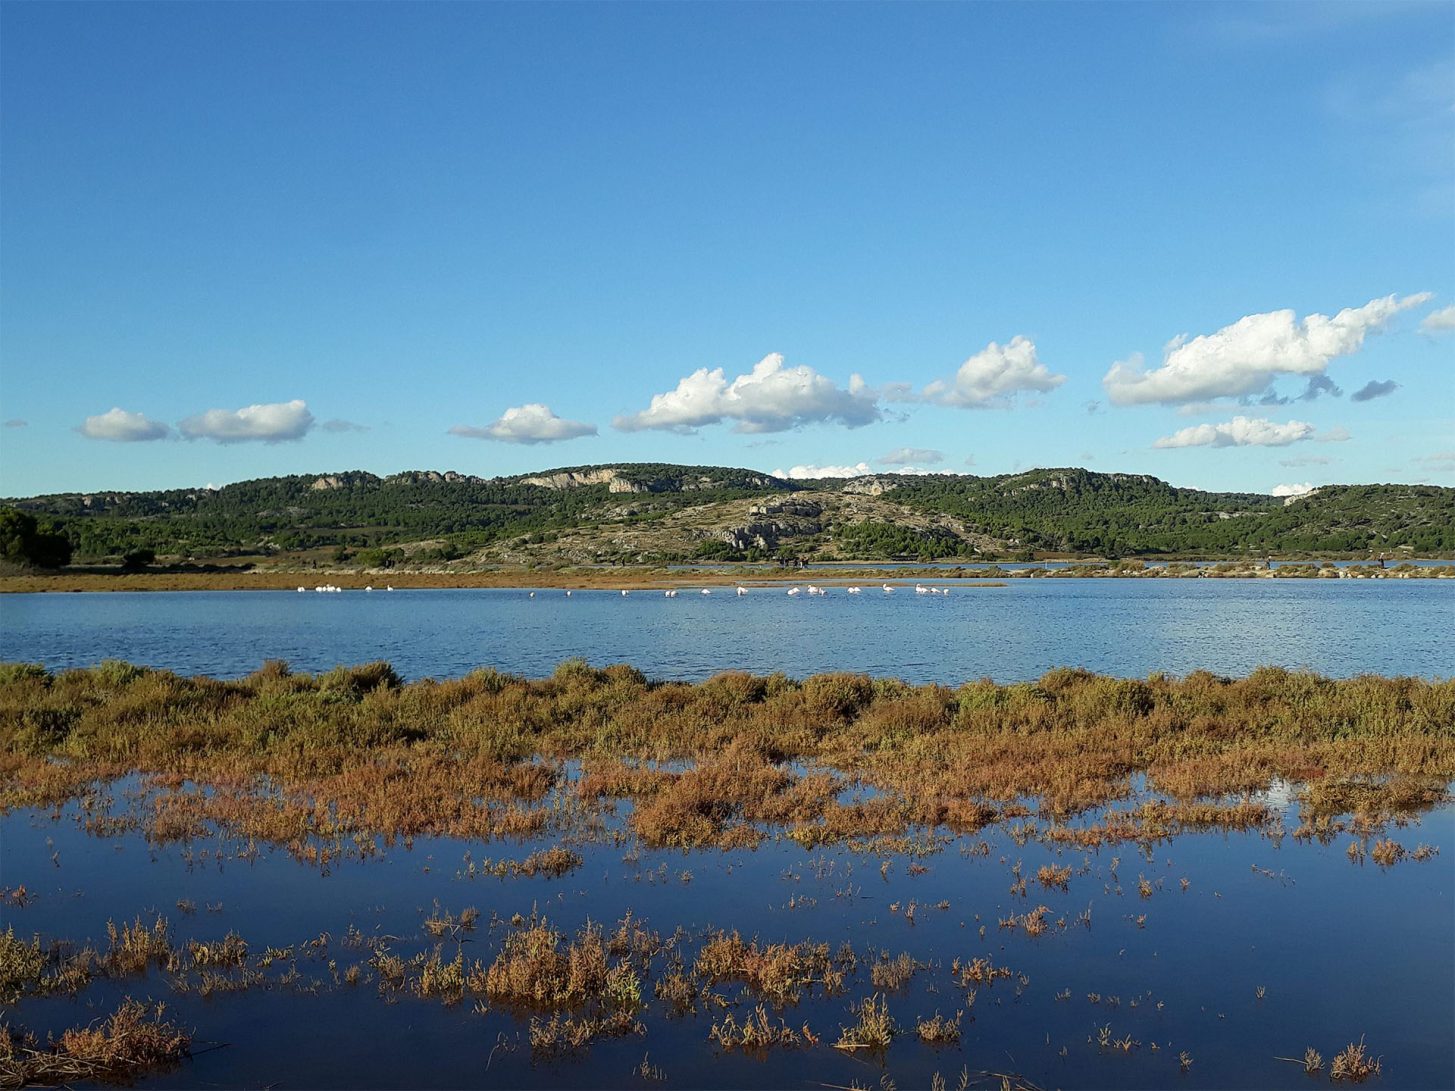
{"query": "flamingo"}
{"type": "Point", "coordinates": [854, 591]}
{"type": "Point", "coordinates": [742, 591]}
{"type": "Point", "coordinates": [795, 590]}
{"type": "Point", "coordinates": [706, 591]}
{"type": "Point", "coordinates": [887, 589]}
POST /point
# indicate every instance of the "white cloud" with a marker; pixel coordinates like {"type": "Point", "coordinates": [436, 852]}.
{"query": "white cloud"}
{"type": "Point", "coordinates": [994, 376]}
{"type": "Point", "coordinates": [1296, 489]}
{"type": "Point", "coordinates": [273, 423]}
{"type": "Point", "coordinates": [1240, 432]}
{"type": "Point", "coordinates": [809, 473]}
{"type": "Point", "coordinates": [119, 426]}
{"type": "Point", "coordinates": [1441, 321]}
{"type": "Point", "coordinates": [530, 423]}
{"type": "Point", "coordinates": [1243, 359]}
{"type": "Point", "coordinates": [770, 398]}
{"type": "Point", "coordinates": [907, 456]}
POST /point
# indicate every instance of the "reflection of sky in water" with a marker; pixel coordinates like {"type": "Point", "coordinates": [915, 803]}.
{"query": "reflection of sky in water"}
{"type": "Point", "coordinates": [1257, 912]}
{"type": "Point", "coordinates": [1018, 631]}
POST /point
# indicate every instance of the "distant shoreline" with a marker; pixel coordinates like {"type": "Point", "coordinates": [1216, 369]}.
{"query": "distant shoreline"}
{"type": "Point", "coordinates": [648, 579]}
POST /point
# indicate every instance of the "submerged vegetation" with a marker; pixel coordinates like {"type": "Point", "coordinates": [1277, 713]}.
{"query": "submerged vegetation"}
{"type": "Point", "coordinates": [325, 762]}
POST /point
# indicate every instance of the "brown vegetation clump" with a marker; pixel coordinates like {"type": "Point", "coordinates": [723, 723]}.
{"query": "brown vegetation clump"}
{"type": "Point", "coordinates": [1354, 1064]}
{"type": "Point", "coordinates": [874, 1029]}
{"type": "Point", "coordinates": [779, 971]}
{"type": "Point", "coordinates": [756, 1033]}
{"type": "Point", "coordinates": [134, 947]}
{"type": "Point", "coordinates": [939, 1030]}
{"type": "Point", "coordinates": [134, 1040]}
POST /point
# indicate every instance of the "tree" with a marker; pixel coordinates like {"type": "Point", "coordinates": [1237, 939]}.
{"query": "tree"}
{"type": "Point", "coordinates": [137, 559]}
{"type": "Point", "coordinates": [24, 541]}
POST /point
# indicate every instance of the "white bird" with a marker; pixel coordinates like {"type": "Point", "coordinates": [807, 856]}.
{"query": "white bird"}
{"type": "Point", "coordinates": [854, 591]}
{"type": "Point", "coordinates": [389, 588]}
{"type": "Point", "coordinates": [568, 594]}
{"type": "Point", "coordinates": [532, 594]}
{"type": "Point", "coordinates": [795, 590]}
{"type": "Point", "coordinates": [887, 589]}
{"type": "Point", "coordinates": [921, 590]}
{"type": "Point", "coordinates": [812, 590]}
{"type": "Point", "coordinates": [368, 589]}
{"type": "Point", "coordinates": [624, 592]}
{"type": "Point", "coordinates": [302, 589]}
{"type": "Point", "coordinates": [706, 591]}
{"type": "Point", "coordinates": [742, 590]}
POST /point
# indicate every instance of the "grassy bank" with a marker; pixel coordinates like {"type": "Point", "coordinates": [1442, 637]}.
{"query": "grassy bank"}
{"type": "Point", "coordinates": [283, 579]}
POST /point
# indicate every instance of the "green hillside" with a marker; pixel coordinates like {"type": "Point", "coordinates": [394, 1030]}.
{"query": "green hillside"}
{"type": "Point", "coordinates": [656, 512]}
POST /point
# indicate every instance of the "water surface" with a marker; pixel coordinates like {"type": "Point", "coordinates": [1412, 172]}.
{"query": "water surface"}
{"type": "Point", "coordinates": [1127, 627]}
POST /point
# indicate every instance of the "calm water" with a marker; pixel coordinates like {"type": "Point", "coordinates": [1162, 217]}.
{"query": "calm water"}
{"type": "Point", "coordinates": [1018, 631]}
{"type": "Point", "coordinates": [1257, 912]}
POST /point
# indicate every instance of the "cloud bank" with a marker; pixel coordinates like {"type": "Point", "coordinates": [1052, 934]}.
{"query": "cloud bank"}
{"type": "Point", "coordinates": [993, 377]}
{"type": "Point", "coordinates": [277, 422]}
{"type": "Point", "coordinates": [531, 423]}
{"type": "Point", "coordinates": [1244, 358]}
{"type": "Point", "coordinates": [908, 456]}
{"type": "Point", "coordinates": [809, 473]}
{"type": "Point", "coordinates": [770, 398]}
{"type": "Point", "coordinates": [1240, 432]}
{"type": "Point", "coordinates": [1295, 489]}
{"type": "Point", "coordinates": [118, 426]}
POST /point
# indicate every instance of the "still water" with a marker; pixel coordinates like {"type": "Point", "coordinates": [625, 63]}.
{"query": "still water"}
{"type": "Point", "coordinates": [1339, 949]}
{"type": "Point", "coordinates": [1018, 631]}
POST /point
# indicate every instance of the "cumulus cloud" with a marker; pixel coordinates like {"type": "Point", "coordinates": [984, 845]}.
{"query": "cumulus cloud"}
{"type": "Point", "coordinates": [16, 422]}
{"type": "Point", "coordinates": [530, 424]}
{"type": "Point", "coordinates": [277, 422]}
{"type": "Point", "coordinates": [339, 425]}
{"type": "Point", "coordinates": [908, 456]}
{"type": "Point", "coordinates": [1374, 389]}
{"type": "Point", "coordinates": [1243, 359]}
{"type": "Point", "coordinates": [770, 398]}
{"type": "Point", "coordinates": [994, 376]}
{"type": "Point", "coordinates": [119, 426]}
{"type": "Point", "coordinates": [1240, 432]}
{"type": "Point", "coordinates": [809, 473]}
{"type": "Point", "coordinates": [1441, 321]}
{"type": "Point", "coordinates": [1297, 489]}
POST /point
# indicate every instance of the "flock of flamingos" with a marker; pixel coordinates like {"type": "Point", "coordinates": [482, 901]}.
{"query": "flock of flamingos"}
{"type": "Point", "coordinates": [919, 589]}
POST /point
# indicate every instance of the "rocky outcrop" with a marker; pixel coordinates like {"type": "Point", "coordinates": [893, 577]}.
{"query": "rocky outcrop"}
{"type": "Point", "coordinates": [430, 477]}
{"type": "Point", "coordinates": [773, 523]}
{"type": "Point", "coordinates": [575, 479]}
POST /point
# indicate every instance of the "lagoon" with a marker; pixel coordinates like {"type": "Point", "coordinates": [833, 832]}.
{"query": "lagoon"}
{"type": "Point", "coordinates": [1014, 632]}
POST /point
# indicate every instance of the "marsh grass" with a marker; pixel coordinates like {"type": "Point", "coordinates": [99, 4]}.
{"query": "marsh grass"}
{"type": "Point", "coordinates": [326, 764]}
{"type": "Point", "coordinates": [1354, 1064]}
{"type": "Point", "coordinates": [134, 1040]}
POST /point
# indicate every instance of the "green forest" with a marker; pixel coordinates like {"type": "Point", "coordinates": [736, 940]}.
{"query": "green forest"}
{"type": "Point", "coordinates": [365, 518]}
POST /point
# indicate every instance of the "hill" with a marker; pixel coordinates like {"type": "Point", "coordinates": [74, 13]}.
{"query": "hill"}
{"type": "Point", "coordinates": [656, 513]}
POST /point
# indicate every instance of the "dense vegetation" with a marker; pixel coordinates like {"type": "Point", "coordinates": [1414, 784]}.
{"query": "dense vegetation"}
{"type": "Point", "coordinates": [359, 516]}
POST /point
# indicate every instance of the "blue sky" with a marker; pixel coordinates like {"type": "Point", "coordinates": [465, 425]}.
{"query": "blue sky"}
{"type": "Point", "coordinates": [243, 240]}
